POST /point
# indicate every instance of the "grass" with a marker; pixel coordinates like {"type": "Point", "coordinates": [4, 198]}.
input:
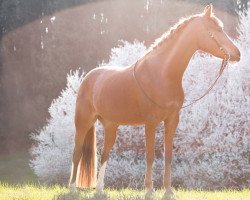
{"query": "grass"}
{"type": "Point", "coordinates": [34, 192]}
{"type": "Point", "coordinates": [18, 182]}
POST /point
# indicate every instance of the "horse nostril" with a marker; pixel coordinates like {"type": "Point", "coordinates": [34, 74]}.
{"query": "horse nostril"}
{"type": "Point", "coordinates": [236, 56]}
{"type": "Point", "coordinates": [239, 56]}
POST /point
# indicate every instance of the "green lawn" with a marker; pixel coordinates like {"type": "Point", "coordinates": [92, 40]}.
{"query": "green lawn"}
{"type": "Point", "coordinates": [15, 173]}
{"type": "Point", "coordinates": [33, 192]}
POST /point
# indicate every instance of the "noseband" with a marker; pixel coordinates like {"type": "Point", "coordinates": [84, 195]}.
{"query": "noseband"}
{"type": "Point", "coordinates": [224, 51]}
{"type": "Point", "coordinates": [223, 66]}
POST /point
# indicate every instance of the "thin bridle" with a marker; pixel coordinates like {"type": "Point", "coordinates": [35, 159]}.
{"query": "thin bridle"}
{"type": "Point", "coordinates": [223, 66]}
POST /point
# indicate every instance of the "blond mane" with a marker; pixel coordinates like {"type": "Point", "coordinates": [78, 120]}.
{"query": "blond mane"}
{"type": "Point", "coordinates": [177, 27]}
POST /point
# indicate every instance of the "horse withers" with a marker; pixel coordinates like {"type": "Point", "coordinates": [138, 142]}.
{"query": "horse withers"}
{"type": "Point", "coordinates": [146, 93]}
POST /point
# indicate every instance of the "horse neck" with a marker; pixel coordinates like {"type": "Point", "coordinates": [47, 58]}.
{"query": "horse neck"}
{"type": "Point", "coordinates": [174, 54]}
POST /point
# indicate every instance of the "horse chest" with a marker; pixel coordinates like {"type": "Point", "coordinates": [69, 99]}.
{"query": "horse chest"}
{"type": "Point", "coordinates": [158, 114]}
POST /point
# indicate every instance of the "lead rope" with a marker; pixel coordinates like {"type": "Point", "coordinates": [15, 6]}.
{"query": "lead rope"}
{"type": "Point", "coordinates": [223, 66]}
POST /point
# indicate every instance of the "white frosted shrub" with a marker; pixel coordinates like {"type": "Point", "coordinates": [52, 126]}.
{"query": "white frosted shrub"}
{"type": "Point", "coordinates": [211, 146]}
{"type": "Point", "coordinates": [125, 54]}
{"type": "Point", "coordinates": [54, 142]}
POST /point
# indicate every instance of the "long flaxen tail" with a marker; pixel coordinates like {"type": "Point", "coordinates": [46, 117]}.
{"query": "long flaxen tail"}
{"type": "Point", "coordinates": [87, 168]}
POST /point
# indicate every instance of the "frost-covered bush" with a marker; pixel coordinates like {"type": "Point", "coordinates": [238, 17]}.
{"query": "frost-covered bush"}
{"type": "Point", "coordinates": [54, 142]}
{"type": "Point", "coordinates": [211, 147]}
{"type": "Point", "coordinates": [125, 54]}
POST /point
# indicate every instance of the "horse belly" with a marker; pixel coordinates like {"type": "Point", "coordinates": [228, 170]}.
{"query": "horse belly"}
{"type": "Point", "coordinates": [116, 100]}
{"type": "Point", "coordinates": [120, 107]}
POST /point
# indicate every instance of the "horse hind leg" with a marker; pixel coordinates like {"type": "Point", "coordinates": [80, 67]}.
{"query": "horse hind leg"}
{"type": "Point", "coordinates": [109, 140]}
{"type": "Point", "coordinates": [83, 173]}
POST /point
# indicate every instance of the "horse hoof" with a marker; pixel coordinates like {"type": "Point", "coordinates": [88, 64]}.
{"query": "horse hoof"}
{"type": "Point", "coordinates": [169, 195]}
{"type": "Point", "coordinates": [99, 190]}
{"type": "Point", "coordinates": [72, 187]}
{"type": "Point", "coordinates": [149, 194]}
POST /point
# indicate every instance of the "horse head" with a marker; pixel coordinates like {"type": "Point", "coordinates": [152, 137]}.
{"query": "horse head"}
{"type": "Point", "coordinates": [212, 38]}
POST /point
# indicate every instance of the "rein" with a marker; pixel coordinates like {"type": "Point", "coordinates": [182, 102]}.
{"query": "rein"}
{"type": "Point", "coordinates": [223, 66]}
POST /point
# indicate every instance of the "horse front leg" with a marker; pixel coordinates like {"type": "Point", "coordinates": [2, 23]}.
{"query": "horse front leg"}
{"type": "Point", "coordinates": [170, 127]}
{"type": "Point", "coordinates": [150, 154]}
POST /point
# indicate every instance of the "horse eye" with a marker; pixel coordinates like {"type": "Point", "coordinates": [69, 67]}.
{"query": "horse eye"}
{"type": "Point", "coordinates": [220, 29]}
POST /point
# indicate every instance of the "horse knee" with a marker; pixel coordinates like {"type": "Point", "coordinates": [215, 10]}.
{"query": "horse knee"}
{"type": "Point", "coordinates": [150, 157]}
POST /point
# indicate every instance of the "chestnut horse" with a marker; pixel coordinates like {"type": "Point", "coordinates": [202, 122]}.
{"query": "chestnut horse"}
{"type": "Point", "coordinates": [145, 93]}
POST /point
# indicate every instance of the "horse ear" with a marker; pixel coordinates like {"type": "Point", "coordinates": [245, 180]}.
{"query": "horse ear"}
{"type": "Point", "coordinates": [208, 10]}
